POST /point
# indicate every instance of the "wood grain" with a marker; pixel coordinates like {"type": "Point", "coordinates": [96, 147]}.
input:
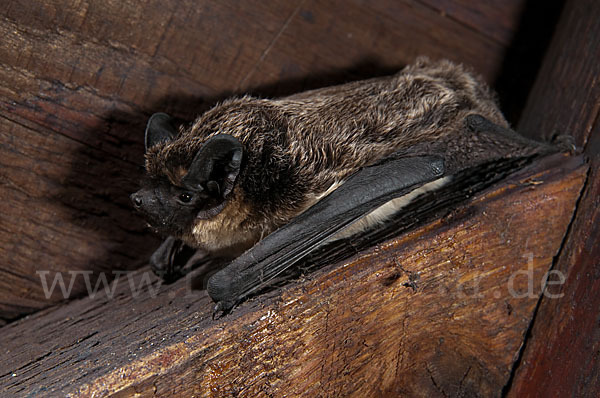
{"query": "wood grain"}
{"type": "Point", "coordinates": [51, 220]}
{"type": "Point", "coordinates": [565, 97]}
{"type": "Point", "coordinates": [478, 14]}
{"type": "Point", "coordinates": [79, 80]}
{"type": "Point", "coordinates": [430, 313]}
{"type": "Point", "coordinates": [562, 356]}
{"type": "Point", "coordinates": [366, 38]}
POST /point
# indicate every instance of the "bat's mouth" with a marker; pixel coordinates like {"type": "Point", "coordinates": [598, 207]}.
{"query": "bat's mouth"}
{"type": "Point", "coordinates": [159, 226]}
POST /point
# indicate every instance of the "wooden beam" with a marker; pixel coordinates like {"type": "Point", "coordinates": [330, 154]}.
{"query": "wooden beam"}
{"type": "Point", "coordinates": [565, 97]}
{"type": "Point", "coordinates": [439, 311]}
{"type": "Point", "coordinates": [561, 358]}
{"type": "Point", "coordinates": [336, 41]}
{"type": "Point", "coordinates": [477, 15]}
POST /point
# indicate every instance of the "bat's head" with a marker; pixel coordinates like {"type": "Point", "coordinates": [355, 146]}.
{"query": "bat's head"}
{"type": "Point", "coordinates": [189, 179]}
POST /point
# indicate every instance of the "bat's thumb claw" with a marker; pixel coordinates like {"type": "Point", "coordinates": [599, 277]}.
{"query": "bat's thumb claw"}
{"type": "Point", "coordinates": [216, 311]}
{"type": "Point", "coordinates": [222, 308]}
{"type": "Point", "coordinates": [438, 166]}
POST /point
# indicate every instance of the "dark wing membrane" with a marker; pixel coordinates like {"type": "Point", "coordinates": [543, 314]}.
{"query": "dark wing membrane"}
{"type": "Point", "coordinates": [363, 192]}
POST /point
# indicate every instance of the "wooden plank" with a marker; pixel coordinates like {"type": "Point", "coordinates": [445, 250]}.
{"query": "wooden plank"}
{"type": "Point", "coordinates": [479, 15]}
{"type": "Point", "coordinates": [439, 311]}
{"type": "Point", "coordinates": [51, 222]}
{"type": "Point", "coordinates": [105, 59]}
{"type": "Point", "coordinates": [330, 42]}
{"type": "Point", "coordinates": [561, 357]}
{"type": "Point", "coordinates": [523, 58]}
{"type": "Point", "coordinates": [565, 97]}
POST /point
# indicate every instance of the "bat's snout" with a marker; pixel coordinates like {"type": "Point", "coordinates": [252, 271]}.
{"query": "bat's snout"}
{"type": "Point", "coordinates": [144, 201]}
{"type": "Point", "coordinates": [153, 210]}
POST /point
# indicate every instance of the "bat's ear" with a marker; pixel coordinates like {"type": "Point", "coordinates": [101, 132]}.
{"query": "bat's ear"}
{"type": "Point", "coordinates": [159, 129]}
{"type": "Point", "coordinates": [216, 165]}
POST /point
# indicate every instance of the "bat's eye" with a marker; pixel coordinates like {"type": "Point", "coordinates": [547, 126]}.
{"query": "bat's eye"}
{"type": "Point", "coordinates": [185, 197]}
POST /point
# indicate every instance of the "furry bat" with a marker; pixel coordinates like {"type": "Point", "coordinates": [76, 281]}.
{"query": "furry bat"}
{"type": "Point", "coordinates": [313, 167]}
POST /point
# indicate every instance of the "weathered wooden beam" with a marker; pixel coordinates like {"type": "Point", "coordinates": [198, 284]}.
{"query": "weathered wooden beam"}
{"type": "Point", "coordinates": [478, 14]}
{"type": "Point", "coordinates": [363, 38]}
{"type": "Point", "coordinates": [439, 311]}
{"type": "Point", "coordinates": [562, 356]}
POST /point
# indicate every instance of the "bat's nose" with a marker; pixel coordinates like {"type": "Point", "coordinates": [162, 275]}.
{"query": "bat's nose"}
{"type": "Point", "coordinates": [136, 199]}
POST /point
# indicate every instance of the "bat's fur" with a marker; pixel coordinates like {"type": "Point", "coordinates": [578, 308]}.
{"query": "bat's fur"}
{"type": "Point", "coordinates": [298, 147]}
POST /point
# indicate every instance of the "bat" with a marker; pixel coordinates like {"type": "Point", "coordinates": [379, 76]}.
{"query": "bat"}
{"type": "Point", "coordinates": [267, 181]}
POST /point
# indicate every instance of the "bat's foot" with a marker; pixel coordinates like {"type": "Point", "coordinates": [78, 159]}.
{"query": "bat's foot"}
{"type": "Point", "coordinates": [168, 260]}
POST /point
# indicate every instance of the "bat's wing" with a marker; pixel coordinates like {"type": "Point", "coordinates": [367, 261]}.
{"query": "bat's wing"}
{"type": "Point", "coordinates": [363, 192]}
